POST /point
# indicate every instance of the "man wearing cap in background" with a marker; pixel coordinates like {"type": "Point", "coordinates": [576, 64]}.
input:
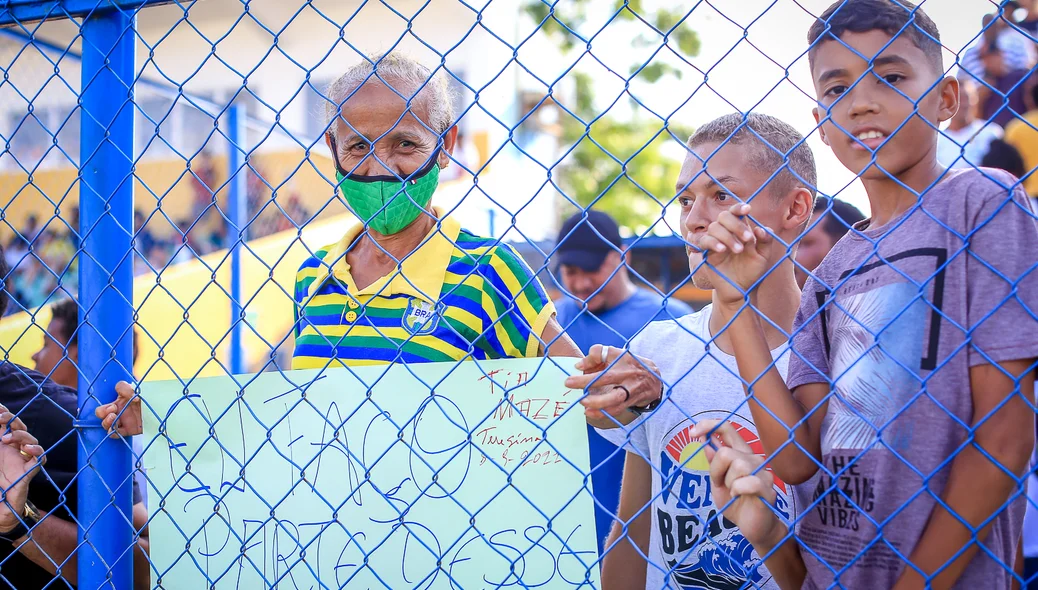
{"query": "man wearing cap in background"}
{"type": "Point", "coordinates": [603, 306]}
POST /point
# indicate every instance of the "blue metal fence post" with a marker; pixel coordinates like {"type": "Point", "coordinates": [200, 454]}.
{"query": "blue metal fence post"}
{"type": "Point", "coordinates": [236, 233]}
{"type": "Point", "coordinates": [105, 296]}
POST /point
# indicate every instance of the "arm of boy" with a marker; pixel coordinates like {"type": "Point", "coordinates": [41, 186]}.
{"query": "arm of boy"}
{"type": "Point", "coordinates": [627, 548]}
{"type": "Point", "coordinates": [1002, 292]}
{"type": "Point", "coordinates": [978, 486]}
{"type": "Point", "coordinates": [746, 491]}
{"type": "Point", "coordinates": [742, 255]}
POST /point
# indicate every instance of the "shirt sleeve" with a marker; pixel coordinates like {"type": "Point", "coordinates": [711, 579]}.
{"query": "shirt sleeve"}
{"type": "Point", "coordinates": [809, 361]}
{"type": "Point", "coordinates": [515, 303]}
{"type": "Point", "coordinates": [1002, 276]}
{"type": "Point", "coordinates": [631, 437]}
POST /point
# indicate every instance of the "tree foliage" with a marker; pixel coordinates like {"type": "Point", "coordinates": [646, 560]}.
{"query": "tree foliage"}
{"type": "Point", "coordinates": [618, 165]}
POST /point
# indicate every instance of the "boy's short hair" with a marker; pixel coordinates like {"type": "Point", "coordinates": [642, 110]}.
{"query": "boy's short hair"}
{"type": "Point", "coordinates": [771, 143]}
{"type": "Point", "coordinates": [893, 17]}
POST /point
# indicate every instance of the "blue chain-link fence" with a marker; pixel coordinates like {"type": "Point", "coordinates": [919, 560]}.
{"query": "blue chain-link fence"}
{"type": "Point", "coordinates": [548, 314]}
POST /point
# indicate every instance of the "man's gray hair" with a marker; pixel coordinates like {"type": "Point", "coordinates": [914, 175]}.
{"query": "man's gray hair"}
{"type": "Point", "coordinates": [771, 143]}
{"type": "Point", "coordinates": [402, 74]}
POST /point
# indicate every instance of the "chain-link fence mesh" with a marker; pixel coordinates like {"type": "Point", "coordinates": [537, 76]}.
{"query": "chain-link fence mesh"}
{"type": "Point", "coordinates": [377, 236]}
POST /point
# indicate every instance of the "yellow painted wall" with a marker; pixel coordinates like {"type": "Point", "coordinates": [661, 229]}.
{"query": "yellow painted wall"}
{"type": "Point", "coordinates": [184, 313]}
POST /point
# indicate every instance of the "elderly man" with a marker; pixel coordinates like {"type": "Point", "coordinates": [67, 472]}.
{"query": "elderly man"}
{"type": "Point", "coordinates": [407, 284]}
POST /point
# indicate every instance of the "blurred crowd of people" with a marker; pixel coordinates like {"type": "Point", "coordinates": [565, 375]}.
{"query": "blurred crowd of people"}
{"type": "Point", "coordinates": [995, 124]}
{"type": "Point", "coordinates": [42, 257]}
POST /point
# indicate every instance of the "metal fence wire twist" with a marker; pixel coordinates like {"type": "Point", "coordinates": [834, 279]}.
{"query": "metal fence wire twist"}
{"type": "Point", "coordinates": [179, 183]}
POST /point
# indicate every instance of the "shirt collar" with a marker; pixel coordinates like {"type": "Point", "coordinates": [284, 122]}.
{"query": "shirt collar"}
{"type": "Point", "coordinates": [420, 274]}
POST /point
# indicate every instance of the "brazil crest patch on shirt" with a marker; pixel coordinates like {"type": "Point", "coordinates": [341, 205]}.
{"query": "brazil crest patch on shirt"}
{"type": "Point", "coordinates": [420, 317]}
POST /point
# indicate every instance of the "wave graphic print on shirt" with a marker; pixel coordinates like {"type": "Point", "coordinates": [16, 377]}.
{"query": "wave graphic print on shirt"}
{"type": "Point", "coordinates": [701, 548]}
{"type": "Point", "coordinates": [877, 336]}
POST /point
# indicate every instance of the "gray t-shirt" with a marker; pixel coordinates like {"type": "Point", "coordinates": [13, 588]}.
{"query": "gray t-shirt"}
{"type": "Point", "coordinates": [893, 336]}
{"type": "Point", "coordinates": [691, 545]}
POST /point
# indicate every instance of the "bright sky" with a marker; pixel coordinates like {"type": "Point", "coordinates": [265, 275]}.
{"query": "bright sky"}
{"type": "Point", "coordinates": [750, 73]}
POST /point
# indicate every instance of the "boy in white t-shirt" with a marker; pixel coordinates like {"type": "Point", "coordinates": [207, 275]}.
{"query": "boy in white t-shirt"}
{"type": "Point", "coordinates": [689, 544]}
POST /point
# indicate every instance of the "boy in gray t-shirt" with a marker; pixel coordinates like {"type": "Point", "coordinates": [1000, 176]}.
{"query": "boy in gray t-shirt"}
{"type": "Point", "coordinates": [912, 372]}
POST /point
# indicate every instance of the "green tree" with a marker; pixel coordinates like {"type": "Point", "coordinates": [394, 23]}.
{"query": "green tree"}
{"type": "Point", "coordinates": [618, 164]}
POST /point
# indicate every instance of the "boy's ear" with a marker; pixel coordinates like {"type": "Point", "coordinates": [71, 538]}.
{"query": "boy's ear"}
{"type": "Point", "coordinates": [818, 124]}
{"type": "Point", "coordinates": [800, 209]}
{"type": "Point", "coordinates": [948, 97]}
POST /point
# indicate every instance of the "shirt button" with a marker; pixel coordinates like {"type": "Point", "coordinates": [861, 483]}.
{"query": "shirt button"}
{"type": "Point", "coordinates": [352, 304]}
{"type": "Point", "coordinates": [351, 316]}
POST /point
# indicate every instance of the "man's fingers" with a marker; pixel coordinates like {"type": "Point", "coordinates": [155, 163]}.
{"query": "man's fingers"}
{"type": "Point", "coordinates": [108, 422]}
{"type": "Point", "coordinates": [593, 361]}
{"type": "Point", "coordinates": [19, 438]}
{"type": "Point", "coordinates": [611, 401]}
{"type": "Point", "coordinates": [598, 380]}
{"type": "Point", "coordinates": [726, 238]}
{"type": "Point", "coordinates": [710, 244]}
{"type": "Point", "coordinates": [104, 410]}
{"type": "Point", "coordinates": [738, 226]}
{"type": "Point", "coordinates": [32, 450]}
{"type": "Point", "coordinates": [726, 431]}
{"type": "Point", "coordinates": [125, 390]}
{"type": "Point", "coordinates": [763, 235]}
{"type": "Point", "coordinates": [719, 466]}
{"type": "Point", "coordinates": [740, 209]}
{"type": "Point", "coordinates": [10, 421]}
{"type": "Point", "coordinates": [752, 485]}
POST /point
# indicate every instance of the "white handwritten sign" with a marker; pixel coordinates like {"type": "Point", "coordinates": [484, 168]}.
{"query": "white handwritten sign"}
{"type": "Point", "coordinates": [447, 475]}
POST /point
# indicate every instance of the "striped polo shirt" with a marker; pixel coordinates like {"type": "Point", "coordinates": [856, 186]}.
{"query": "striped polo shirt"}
{"type": "Point", "coordinates": [456, 297]}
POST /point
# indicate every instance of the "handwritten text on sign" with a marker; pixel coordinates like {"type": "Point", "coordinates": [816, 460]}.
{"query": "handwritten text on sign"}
{"type": "Point", "coordinates": [437, 476]}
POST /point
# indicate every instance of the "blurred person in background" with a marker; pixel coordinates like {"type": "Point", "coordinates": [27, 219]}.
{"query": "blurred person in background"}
{"type": "Point", "coordinates": [1016, 51]}
{"type": "Point", "coordinates": [827, 227]}
{"type": "Point", "coordinates": [966, 140]}
{"type": "Point", "coordinates": [1003, 156]}
{"type": "Point", "coordinates": [58, 361]}
{"type": "Point", "coordinates": [603, 306]}
{"type": "Point", "coordinates": [1029, 22]}
{"type": "Point", "coordinates": [46, 409]}
{"type": "Point", "coordinates": [1004, 91]}
{"type": "Point", "coordinates": [1022, 134]}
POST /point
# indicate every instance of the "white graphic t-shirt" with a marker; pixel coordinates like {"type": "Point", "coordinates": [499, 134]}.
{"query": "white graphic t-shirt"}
{"type": "Point", "coordinates": [692, 546]}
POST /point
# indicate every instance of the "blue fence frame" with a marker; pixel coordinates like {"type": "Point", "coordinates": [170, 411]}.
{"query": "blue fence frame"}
{"type": "Point", "coordinates": [106, 228]}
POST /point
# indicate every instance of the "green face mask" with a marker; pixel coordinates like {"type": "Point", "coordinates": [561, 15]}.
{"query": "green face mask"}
{"type": "Point", "coordinates": [385, 203]}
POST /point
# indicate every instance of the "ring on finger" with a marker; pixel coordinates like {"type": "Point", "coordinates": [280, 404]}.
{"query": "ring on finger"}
{"type": "Point", "coordinates": [27, 456]}
{"type": "Point", "coordinates": [605, 354]}
{"type": "Point", "coordinates": [627, 392]}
